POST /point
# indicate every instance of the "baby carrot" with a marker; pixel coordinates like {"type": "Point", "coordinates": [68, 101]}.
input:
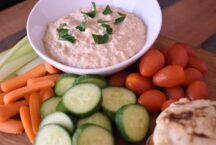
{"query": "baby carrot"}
{"type": "Point", "coordinates": [51, 69]}
{"type": "Point", "coordinates": [1, 98]}
{"type": "Point", "coordinates": [46, 93]}
{"type": "Point", "coordinates": [34, 106]}
{"type": "Point", "coordinates": [53, 77]}
{"type": "Point", "coordinates": [19, 93]}
{"type": "Point", "coordinates": [9, 110]}
{"type": "Point", "coordinates": [26, 121]}
{"type": "Point", "coordinates": [27, 97]}
{"type": "Point", "coordinates": [11, 126]}
{"type": "Point", "coordinates": [21, 80]}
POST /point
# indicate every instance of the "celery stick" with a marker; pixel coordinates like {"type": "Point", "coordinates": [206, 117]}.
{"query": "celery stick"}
{"type": "Point", "coordinates": [30, 65]}
{"type": "Point", "coordinates": [9, 77]}
{"type": "Point", "coordinates": [3, 53]}
{"type": "Point", "coordinates": [13, 50]}
{"type": "Point", "coordinates": [26, 48]}
{"type": "Point", "coordinates": [13, 66]}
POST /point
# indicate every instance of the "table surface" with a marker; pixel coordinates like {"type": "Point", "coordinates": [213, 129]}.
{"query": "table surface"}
{"type": "Point", "coordinates": [190, 21]}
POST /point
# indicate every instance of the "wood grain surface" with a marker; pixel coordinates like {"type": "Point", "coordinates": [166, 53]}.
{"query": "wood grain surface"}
{"type": "Point", "coordinates": [209, 58]}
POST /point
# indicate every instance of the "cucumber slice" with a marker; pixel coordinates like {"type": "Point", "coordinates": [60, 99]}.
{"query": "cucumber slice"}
{"type": "Point", "coordinates": [114, 98]}
{"type": "Point", "coordinates": [83, 100]}
{"type": "Point", "coordinates": [64, 83]}
{"type": "Point", "coordinates": [97, 80]}
{"type": "Point", "coordinates": [132, 122]}
{"type": "Point", "coordinates": [98, 119]}
{"type": "Point", "coordinates": [58, 118]}
{"type": "Point", "coordinates": [49, 106]}
{"type": "Point", "coordinates": [60, 107]}
{"type": "Point", "coordinates": [92, 135]}
{"type": "Point", "coordinates": [53, 134]}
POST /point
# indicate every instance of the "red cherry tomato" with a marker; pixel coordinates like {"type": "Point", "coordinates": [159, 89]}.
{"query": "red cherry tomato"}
{"type": "Point", "coordinates": [174, 93]}
{"type": "Point", "coordinates": [177, 56]}
{"type": "Point", "coordinates": [198, 64]}
{"type": "Point", "coordinates": [151, 62]}
{"type": "Point", "coordinates": [166, 104]}
{"type": "Point", "coordinates": [190, 50]}
{"type": "Point", "coordinates": [192, 74]}
{"type": "Point", "coordinates": [169, 76]}
{"type": "Point", "coordinates": [118, 79]}
{"type": "Point", "coordinates": [152, 100]}
{"type": "Point", "coordinates": [198, 90]}
{"type": "Point", "coordinates": [138, 83]}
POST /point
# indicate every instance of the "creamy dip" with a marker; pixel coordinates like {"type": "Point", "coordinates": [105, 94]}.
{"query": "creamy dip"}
{"type": "Point", "coordinates": [127, 38]}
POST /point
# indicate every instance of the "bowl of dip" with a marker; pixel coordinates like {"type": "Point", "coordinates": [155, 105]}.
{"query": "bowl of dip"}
{"type": "Point", "coordinates": [93, 37]}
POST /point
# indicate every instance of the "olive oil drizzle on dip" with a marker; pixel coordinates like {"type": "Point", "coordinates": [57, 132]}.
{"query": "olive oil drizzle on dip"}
{"type": "Point", "coordinates": [95, 37]}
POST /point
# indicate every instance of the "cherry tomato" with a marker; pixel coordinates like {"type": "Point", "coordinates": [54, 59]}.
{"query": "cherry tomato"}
{"type": "Point", "coordinates": [198, 90]}
{"type": "Point", "coordinates": [174, 93]}
{"type": "Point", "coordinates": [151, 62]}
{"type": "Point", "coordinates": [152, 100]}
{"type": "Point", "coordinates": [138, 83]}
{"type": "Point", "coordinates": [169, 76]}
{"type": "Point", "coordinates": [190, 50]}
{"type": "Point", "coordinates": [192, 74]}
{"type": "Point", "coordinates": [198, 64]}
{"type": "Point", "coordinates": [166, 104]}
{"type": "Point", "coordinates": [177, 56]}
{"type": "Point", "coordinates": [118, 79]}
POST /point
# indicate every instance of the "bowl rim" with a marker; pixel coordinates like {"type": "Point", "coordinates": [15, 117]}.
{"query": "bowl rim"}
{"type": "Point", "coordinates": [95, 70]}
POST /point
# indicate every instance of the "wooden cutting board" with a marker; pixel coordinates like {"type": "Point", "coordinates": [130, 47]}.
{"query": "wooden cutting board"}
{"type": "Point", "coordinates": [208, 57]}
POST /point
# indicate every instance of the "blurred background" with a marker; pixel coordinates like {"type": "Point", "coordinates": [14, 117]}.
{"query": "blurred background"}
{"type": "Point", "coordinates": [189, 21]}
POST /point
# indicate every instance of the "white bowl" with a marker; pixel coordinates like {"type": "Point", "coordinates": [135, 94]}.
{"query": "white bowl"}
{"type": "Point", "coordinates": [46, 11]}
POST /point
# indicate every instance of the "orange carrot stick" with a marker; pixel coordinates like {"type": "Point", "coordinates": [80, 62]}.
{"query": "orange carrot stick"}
{"type": "Point", "coordinates": [9, 110]}
{"type": "Point", "coordinates": [34, 105]}
{"type": "Point", "coordinates": [27, 97]}
{"type": "Point", "coordinates": [11, 126]}
{"type": "Point", "coordinates": [1, 89]}
{"type": "Point", "coordinates": [1, 98]}
{"type": "Point", "coordinates": [21, 92]}
{"type": "Point", "coordinates": [46, 93]}
{"type": "Point", "coordinates": [21, 80]}
{"type": "Point", "coordinates": [26, 121]}
{"type": "Point", "coordinates": [53, 77]}
{"type": "Point", "coordinates": [51, 69]}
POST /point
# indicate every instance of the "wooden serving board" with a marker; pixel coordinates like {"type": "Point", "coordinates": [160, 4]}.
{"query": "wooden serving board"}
{"type": "Point", "coordinates": [208, 57]}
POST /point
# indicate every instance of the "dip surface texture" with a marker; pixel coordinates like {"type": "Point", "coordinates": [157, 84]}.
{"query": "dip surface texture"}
{"type": "Point", "coordinates": [127, 38]}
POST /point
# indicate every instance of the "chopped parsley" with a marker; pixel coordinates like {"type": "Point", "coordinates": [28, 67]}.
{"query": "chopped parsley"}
{"type": "Point", "coordinates": [107, 28]}
{"type": "Point", "coordinates": [102, 21]}
{"type": "Point", "coordinates": [63, 34]}
{"type": "Point", "coordinates": [107, 10]}
{"type": "Point", "coordinates": [120, 18]}
{"type": "Point", "coordinates": [101, 39]}
{"type": "Point", "coordinates": [93, 13]}
{"type": "Point", "coordinates": [81, 27]}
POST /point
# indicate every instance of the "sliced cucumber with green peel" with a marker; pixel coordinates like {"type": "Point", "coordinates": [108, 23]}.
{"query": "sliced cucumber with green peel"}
{"type": "Point", "coordinates": [83, 100]}
{"type": "Point", "coordinates": [92, 135]}
{"type": "Point", "coordinates": [114, 98]}
{"type": "Point", "coordinates": [97, 80]}
{"type": "Point", "coordinates": [53, 134]}
{"type": "Point", "coordinates": [60, 107]}
{"type": "Point", "coordinates": [58, 118]}
{"type": "Point", "coordinates": [132, 122]}
{"type": "Point", "coordinates": [64, 83]}
{"type": "Point", "coordinates": [98, 119]}
{"type": "Point", "coordinates": [49, 106]}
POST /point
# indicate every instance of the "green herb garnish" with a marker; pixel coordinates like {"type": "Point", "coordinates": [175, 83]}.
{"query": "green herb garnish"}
{"type": "Point", "coordinates": [93, 13]}
{"type": "Point", "coordinates": [107, 28]}
{"type": "Point", "coordinates": [81, 27]}
{"type": "Point", "coordinates": [100, 39]}
{"type": "Point", "coordinates": [120, 19]}
{"type": "Point", "coordinates": [102, 21]}
{"type": "Point", "coordinates": [63, 34]}
{"type": "Point", "coordinates": [107, 10]}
